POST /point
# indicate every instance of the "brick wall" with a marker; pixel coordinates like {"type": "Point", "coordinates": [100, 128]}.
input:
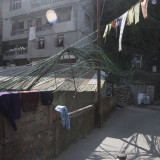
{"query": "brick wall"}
{"type": "Point", "coordinates": [40, 134]}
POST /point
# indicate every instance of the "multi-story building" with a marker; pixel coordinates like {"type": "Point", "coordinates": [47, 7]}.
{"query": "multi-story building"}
{"type": "Point", "coordinates": [1, 22]}
{"type": "Point", "coordinates": [76, 19]}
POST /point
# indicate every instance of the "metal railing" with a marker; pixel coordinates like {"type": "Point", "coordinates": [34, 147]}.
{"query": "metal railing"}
{"type": "Point", "coordinates": [14, 53]}
{"type": "Point", "coordinates": [26, 31]}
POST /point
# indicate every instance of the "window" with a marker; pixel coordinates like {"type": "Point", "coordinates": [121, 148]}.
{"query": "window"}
{"type": "Point", "coordinates": [60, 41]}
{"type": "Point", "coordinates": [40, 44]}
{"type": "Point", "coordinates": [29, 23]}
{"type": "Point", "coordinates": [17, 26]}
{"type": "Point", "coordinates": [137, 61]}
{"type": "Point", "coordinates": [64, 14]}
{"type": "Point", "coordinates": [15, 4]}
{"type": "Point", "coordinates": [38, 22]}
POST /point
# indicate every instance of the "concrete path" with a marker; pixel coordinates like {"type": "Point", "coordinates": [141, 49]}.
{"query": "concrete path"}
{"type": "Point", "coordinates": [134, 131]}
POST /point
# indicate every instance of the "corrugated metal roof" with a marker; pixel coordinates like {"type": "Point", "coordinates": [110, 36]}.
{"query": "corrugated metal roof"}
{"type": "Point", "coordinates": [69, 81]}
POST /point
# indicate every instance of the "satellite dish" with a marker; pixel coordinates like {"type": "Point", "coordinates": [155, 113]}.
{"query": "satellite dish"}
{"type": "Point", "coordinates": [51, 16]}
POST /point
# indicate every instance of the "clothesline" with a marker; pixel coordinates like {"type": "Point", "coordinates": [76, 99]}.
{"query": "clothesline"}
{"type": "Point", "coordinates": [130, 16]}
{"type": "Point", "coordinates": [11, 103]}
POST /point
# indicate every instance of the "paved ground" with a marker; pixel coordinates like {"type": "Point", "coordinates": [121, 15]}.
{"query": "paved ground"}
{"type": "Point", "coordinates": [134, 131]}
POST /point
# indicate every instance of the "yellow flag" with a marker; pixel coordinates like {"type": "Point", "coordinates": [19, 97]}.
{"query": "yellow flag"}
{"type": "Point", "coordinates": [130, 17]}
{"type": "Point", "coordinates": [105, 32]}
{"type": "Point", "coordinates": [137, 12]}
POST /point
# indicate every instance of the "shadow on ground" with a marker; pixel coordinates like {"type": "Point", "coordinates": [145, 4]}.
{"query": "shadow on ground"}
{"type": "Point", "coordinates": [134, 131]}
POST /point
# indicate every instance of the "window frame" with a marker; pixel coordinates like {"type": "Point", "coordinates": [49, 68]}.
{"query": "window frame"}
{"type": "Point", "coordinates": [15, 4]}
{"type": "Point", "coordinates": [38, 43]}
{"type": "Point", "coordinates": [60, 36]}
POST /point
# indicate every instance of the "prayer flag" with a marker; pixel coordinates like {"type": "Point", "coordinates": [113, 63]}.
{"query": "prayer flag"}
{"type": "Point", "coordinates": [122, 29]}
{"type": "Point", "coordinates": [114, 24]}
{"type": "Point", "coordinates": [154, 1]}
{"type": "Point", "coordinates": [109, 28]}
{"type": "Point", "coordinates": [136, 12]}
{"type": "Point", "coordinates": [105, 32]}
{"type": "Point", "coordinates": [144, 6]}
{"type": "Point", "coordinates": [130, 17]}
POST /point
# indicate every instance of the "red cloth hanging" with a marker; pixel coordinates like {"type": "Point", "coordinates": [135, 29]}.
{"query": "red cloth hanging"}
{"type": "Point", "coordinates": [114, 24]}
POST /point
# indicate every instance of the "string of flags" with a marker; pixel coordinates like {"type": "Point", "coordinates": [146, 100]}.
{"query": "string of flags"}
{"type": "Point", "coordinates": [129, 17]}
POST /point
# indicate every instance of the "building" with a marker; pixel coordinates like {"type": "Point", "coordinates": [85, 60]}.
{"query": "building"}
{"type": "Point", "coordinates": [76, 19]}
{"type": "Point", "coordinates": [1, 23]}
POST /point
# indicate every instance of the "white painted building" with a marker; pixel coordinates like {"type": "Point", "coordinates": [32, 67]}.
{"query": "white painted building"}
{"type": "Point", "coordinates": [76, 19]}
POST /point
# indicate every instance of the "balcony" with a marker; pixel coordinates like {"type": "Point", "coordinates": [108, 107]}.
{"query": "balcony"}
{"type": "Point", "coordinates": [15, 53]}
{"type": "Point", "coordinates": [19, 32]}
{"type": "Point", "coordinates": [26, 31]}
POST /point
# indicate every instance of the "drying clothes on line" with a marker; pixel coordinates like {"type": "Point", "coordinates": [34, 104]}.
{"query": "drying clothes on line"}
{"type": "Point", "coordinates": [32, 33]}
{"type": "Point", "coordinates": [29, 100]}
{"type": "Point", "coordinates": [122, 29]}
{"type": "Point", "coordinates": [10, 107]}
{"type": "Point", "coordinates": [130, 17]}
{"type": "Point", "coordinates": [46, 97]}
{"type": "Point", "coordinates": [64, 116]}
{"type": "Point", "coordinates": [137, 12]}
{"type": "Point", "coordinates": [144, 6]}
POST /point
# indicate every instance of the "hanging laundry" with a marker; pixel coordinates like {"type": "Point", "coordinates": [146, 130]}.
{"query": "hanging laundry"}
{"type": "Point", "coordinates": [119, 21]}
{"type": "Point", "coordinates": [154, 1]}
{"type": "Point", "coordinates": [29, 100]}
{"type": "Point", "coordinates": [64, 116]}
{"type": "Point", "coordinates": [32, 33]}
{"type": "Point", "coordinates": [105, 32]}
{"type": "Point", "coordinates": [46, 97]}
{"type": "Point", "coordinates": [122, 29]}
{"type": "Point", "coordinates": [109, 28]}
{"type": "Point", "coordinates": [16, 104]}
{"type": "Point", "coordinates": [10, 107]}
{"type": "Point", "coordinates": [144, 6]}
{"type": "Point", "coordinates": [114, 24]}
{"type": "Point", "coordinates": [137, 12]}
{"type": "Point", "coordinates": [130, 17]}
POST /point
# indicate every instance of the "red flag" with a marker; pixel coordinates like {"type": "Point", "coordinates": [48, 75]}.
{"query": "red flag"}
{"type": "Point", "coordinates": [144, 6]}
{"type": "Point", "coordinates": [114, 24]}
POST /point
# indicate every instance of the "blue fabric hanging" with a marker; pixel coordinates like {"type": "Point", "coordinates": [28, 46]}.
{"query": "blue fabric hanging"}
{"type": "Point", "coordinates": [64, 116]}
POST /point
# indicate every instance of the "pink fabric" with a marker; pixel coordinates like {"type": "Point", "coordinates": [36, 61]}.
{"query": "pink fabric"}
{"type": "Point", "coordinates": [144, 6]}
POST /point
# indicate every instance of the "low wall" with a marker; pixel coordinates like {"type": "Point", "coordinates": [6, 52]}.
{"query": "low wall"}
{"type": "Point", "coordinates": [40, 135]}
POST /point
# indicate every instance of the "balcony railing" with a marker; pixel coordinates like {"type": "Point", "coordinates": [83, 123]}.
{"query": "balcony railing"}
{"type": "Point", "coordinates": [26, 31]}
{"type": "Point", "coordinates": [16, 52]}
{"type": "Point", "coordinates": [20, 31]}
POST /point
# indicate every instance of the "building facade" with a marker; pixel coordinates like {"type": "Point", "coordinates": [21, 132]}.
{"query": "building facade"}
{"type": "Point", "coordinates": [1, 24]}
{"type": "Point", "coordinates": [76, 19]}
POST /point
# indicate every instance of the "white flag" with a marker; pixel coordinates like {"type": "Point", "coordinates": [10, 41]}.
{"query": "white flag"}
{"type": "Point", "coordinates": [122, 29]}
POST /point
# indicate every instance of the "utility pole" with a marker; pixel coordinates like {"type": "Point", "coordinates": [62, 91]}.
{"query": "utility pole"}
{"type": "Point", "coordinates": [98, 109]}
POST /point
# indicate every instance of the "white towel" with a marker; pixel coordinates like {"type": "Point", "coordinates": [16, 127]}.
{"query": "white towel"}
{"type": "Point", "coordinates": [32, 33]}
